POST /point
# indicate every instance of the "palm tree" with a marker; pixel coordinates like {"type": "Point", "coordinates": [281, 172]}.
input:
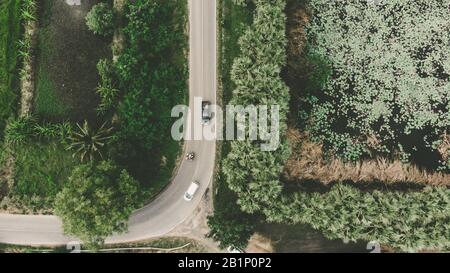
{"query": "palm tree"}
{"type": "Point", "coordinates": [87, 142]}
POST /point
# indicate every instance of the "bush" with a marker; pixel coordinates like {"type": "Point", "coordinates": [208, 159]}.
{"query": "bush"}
{"type": "Point", "coordinates": [100, 19]}
{"type": "Point", "coordinates": [107, 87]}
{"type": "Point", "coordinates": [24, 129]}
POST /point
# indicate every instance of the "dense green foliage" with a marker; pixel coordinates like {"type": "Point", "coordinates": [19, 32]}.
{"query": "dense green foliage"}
{"type": "Point", "coordinates": [252, 173]}
{"type": "Point", "coordinates": [151, 74]}
{"type": "Point", "coordinates": [41, 170]}
{"type": "Point", "coordinates": [406, 221]}
{"type": "Point", "coordinates": [9, 37]}
{"type": "Point", "coordinates": [387, 89]}
{"type": "Point", "coordinates": [26, 129]}
{"type": "Point", "coordinates": [97, 201]}
{"type": "Point", "coordinates": [101, 19]}
{"type": "Point", "coordinates": [107, 87]}
{"type": "Point", "coordinates": [148, 72]}
{"type": "Point", "coordinates": [229, 229]}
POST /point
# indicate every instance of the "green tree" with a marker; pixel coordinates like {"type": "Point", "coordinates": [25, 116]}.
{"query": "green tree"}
{"type": "Point", "coordinates": [408, 221]}
{"type": "Point", "coordinates": [88, 143]}
{"type": "Point", "coordinates": [250, 172]}
{"type": "Point", "coordinates": [97, 202]}
{"type": "Point", "coordinates": [230, 229]}
{"type": "Point", "coordinates": [100, 19]}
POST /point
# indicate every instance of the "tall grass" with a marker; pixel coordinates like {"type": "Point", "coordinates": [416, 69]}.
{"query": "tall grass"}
{"type": "Point", "coordinates": [10, 16]}
{"type": "Point", "coordinates": [308, 163]}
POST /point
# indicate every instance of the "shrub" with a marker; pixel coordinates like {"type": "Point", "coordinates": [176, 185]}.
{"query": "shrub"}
{"type": "Point", "coordinates": [100, 19]}
{"type": "Point", "coordinates": [24, 129]}
{"type": "Point", "coordinates": [88, 143]}
{"type": "Point", "coordinates": [107, 87]}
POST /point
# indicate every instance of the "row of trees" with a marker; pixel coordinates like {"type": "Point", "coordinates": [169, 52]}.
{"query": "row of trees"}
{"type": "Point", "coordinates": [250, 172]}
{"type": "Point", "coordinates": [406, 221]}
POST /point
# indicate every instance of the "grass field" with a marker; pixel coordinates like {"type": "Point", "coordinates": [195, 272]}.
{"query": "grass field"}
{"type": "Point", "coordinates": [9, 37]}
{"type": "Point", "coordinates": [41, 171]}
{"type": "Point", "coordinates": [66, 78]}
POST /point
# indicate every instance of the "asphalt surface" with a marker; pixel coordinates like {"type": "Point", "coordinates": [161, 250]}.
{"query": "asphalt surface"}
{"type": "Point", "coordinates": [169, 209]}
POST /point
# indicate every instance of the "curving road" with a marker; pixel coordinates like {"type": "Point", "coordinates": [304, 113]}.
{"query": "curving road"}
{"type": "Point", "coordinates": [169, 209]}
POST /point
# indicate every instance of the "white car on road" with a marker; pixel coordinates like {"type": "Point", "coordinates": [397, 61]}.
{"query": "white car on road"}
{"type": "Point", "coordinates": [189, 195]}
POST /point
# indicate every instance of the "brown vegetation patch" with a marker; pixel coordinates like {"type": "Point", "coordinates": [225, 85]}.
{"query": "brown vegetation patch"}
{"type": "Point", "coordinates": [298, 19]}
{"type": "Point", "coordinates": [308, 162]}
{"type": "Point", "coordinates": [259, 243]}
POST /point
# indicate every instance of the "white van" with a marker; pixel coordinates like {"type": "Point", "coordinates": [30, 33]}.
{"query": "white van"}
{"type": "Point", "coordinates": [189, 195]}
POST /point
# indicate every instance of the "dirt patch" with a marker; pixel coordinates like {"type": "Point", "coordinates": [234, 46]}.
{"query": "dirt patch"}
{"type": "Point", "coordinates": [68, 56]}
{"type": "Point", "coordinates": [303, 239]}
{"type": "Point", "coordinates": [259, 243]}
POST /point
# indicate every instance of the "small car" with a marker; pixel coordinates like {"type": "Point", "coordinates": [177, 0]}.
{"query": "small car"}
{"type": "Point", "coordinates": [189, 195]}
{"type": "Point", "coordinates": [206, 112]}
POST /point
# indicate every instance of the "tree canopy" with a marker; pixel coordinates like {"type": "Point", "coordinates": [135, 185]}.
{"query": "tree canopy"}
{"type": "Point", "coordinates": [252, 173]}
{"type": "Point", "coordinates": [409, 221]}
{"type": "Point", "coordinates": [100, 19]}
{"type": "Point", "coordinates": [96, 202]}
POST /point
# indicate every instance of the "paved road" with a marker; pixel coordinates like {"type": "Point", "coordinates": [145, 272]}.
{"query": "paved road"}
{"type": "Point", "coordinates": [169, 209]}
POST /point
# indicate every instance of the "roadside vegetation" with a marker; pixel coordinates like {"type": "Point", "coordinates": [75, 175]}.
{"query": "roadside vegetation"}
{"type": "Point", "coordinates": [93, 150]}
{"type": "Point", "coordinates": [409, 216]}
{"type": "Point", "coordinates": [161, 245]}
{"type": "Point", "coordinates": [229, 225]}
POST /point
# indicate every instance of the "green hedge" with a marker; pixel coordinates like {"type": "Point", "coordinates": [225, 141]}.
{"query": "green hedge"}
{"type": "Point", "coordinates": [406, 221]}
{"type": "Point", "coordinates": [252, 173]}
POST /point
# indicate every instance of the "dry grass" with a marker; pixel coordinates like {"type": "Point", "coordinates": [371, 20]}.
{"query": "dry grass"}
{"type": "Point", "coordinates": [298, 19]}
{"type": "Point", "coordinates": [307, 162]}
{"type": "Point", "coordinates": [259, 243]}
